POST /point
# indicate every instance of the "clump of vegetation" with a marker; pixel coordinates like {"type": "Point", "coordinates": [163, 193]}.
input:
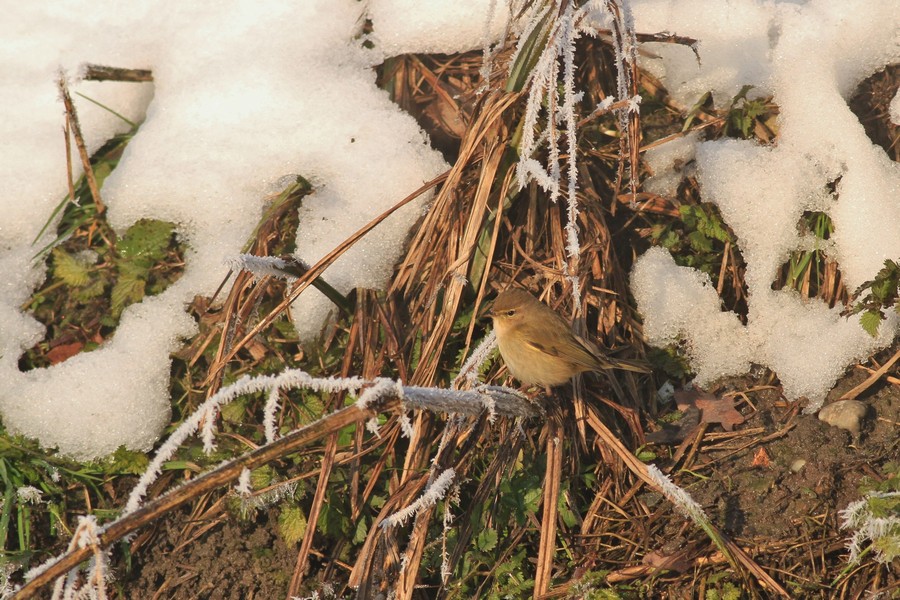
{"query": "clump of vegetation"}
{"type": "Point", "coordinates": [537, 506]}
{"type": "Point", "coordinates": [881, 293]}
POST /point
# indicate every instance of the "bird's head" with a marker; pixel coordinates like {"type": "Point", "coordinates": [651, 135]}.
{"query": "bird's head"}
{"type": "Point", "coordinates": [510, 309]}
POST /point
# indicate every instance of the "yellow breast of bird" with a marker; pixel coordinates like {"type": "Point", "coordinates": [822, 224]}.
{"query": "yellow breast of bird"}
{"type": "Point", "coordinates": [534, 363]}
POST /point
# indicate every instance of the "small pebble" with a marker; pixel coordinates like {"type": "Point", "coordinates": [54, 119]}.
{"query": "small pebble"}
{"type": "Point", "coordinates": [846, 414]}
{"type": "Point", "coordinates": [797, 465]}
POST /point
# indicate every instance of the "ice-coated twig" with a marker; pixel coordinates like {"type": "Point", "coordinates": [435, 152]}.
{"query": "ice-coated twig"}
{"type": "Point", "coordinates": [504, 401]}
{"type": "Point", "coordinates": [490, 404]}
{"type": "Point", "coordinates": [677, 496]}
{"type": "Point", "coordinates": [452, 499]}
{"type": "Point", "coordinates": [260, 266]}
{"type": "Point", "coordinates": [242, 487]}
{"type": "Point", "coordinates": [383, 388]}
{"type": "Point", "coordinates": [488, 51]}
{"type": "Point", "coordinates": [406, 426]}
{"type": "Point", "coordinates": [206, 414]}
{"type": "Point", "coordinates": [469, 370]}
{"type": "Point", "coordinates": [268, 497]}
{"type": "Point", "coordinates": [432, 494]}
{"type": "Point", "coordinates": [86, 536]}
{"type": "Point", "coordinates": [372, 427]}
{"type": "Point", "coordinates": [269, 414]}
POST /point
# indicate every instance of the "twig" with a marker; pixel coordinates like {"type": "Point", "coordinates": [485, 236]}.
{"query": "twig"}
{"type": "Point", "coordinates": [552, 477]}
{"type": "Point", "coordinates": [870, 381]}
{"type": "Point", "coordinates": [104, 73]}
{"type": "Point", "coordinates": [72, 121]}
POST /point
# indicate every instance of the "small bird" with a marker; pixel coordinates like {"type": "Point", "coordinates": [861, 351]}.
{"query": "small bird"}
{"type": "Point", "coordinates": [539, 347]}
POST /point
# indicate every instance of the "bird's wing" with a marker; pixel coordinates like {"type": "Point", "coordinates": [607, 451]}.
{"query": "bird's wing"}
{"type": "Point", "coordinates": [579, 357]}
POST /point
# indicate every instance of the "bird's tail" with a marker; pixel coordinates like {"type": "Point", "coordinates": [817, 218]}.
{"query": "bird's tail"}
{"type": "Point", "coordinates": [626, 364]}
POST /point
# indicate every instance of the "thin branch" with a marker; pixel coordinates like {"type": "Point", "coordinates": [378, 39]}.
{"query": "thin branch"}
{"type": "Point", "coordinates": [72, 122]}
{"type": "Point", "coordinates": [93, 72]}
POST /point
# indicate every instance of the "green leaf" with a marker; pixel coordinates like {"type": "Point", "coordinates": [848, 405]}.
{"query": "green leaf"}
{"type": "Point", "coordinates": [261, 477]}
{"type": "Point", "coordinates": [699, 241]}
{"type": "Point", "coordinates": [331, 522]}
{"type": "Point", "coordinates": [90, 291]}
{"type": "Point", "coordinates": [870, 320]}
{"type": "Point", "coordinates": [124, 461]}
{"type": "Point", "coordinates": [145, 242]}
{"type": "Point", "coordinates": [127, 290]}
{"type": "Point", "coordinates": [292, 524]}
{"type": "Point", "coordinates": [70, 269]}
{"type": "Point", "coordinates": [362, 530]}
{"type": "Point", "coordinates": [233, 412]}
{"type": "Point", "coordinates": [567, 515]}
{"type": "Point", "coordinates": [529, 54]}
{"type": "Point", "coordinates": [486, 540]}
{"type": "Point", "coordinates": [884, 507]}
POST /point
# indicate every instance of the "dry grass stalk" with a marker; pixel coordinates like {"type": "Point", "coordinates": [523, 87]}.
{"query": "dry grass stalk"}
{"type": "Point", "coordinates": [552, 478]}
{"type": "Point", "coordinates": [74, 126]}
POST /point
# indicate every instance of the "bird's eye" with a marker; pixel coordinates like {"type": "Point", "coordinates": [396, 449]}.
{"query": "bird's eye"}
{"type": "Point", "coordinates": [510, 313]}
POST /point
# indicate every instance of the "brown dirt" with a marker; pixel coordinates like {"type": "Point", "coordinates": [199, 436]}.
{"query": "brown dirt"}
{"type": "Point", "coordinates": [235, 560]}
{"type": "Point", "coordinates": [815, 468]}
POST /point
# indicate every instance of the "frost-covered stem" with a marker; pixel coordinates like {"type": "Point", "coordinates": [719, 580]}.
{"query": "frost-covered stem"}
{"type": "Point", "coordinates": [269, 414]}
{"type": "Point", "coordinates": [86, 536]}
{"type": "Point", "coordinates": [243, 487]}
{"type": "Point", "coordinates": [688, 507]}
{"type": "Point", "coordinates": [406, 426]}
{"type": "Point", "coordinates": [487, 52]}
{"type": "Point", "coordinates": [383, 388]}
{"type": "Point", "coordinates": [260, 266]}
{"type": "Point", "coordinates": [625, 47]}
{"type": "Point", "coordinates": [504, 401]}
{"type": "Point", "coordinates": [432, 494]}
{"type": "Point", "coordinates": [206, 413]}
{"type": "Point", "coordinates": [680, 498]}
{"type": "Point", "coordinates": [452, 499]}
{"type": "Point", "coordinates": [469, 370]}
{"type": "Point", "coordinates": [569, 34]}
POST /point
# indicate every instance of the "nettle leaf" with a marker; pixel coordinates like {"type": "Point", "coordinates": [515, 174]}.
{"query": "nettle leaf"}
{"type": "Point", "coordinates": [362, 530]}
{"type": "Point", "coordinates": [699, 241]}
{"type": "Point", "coordinates": [884, 507]}
{"type": "Point", "coordinates": [128, 461]}
{"type": "Point", "coordinates": [262, 477]}
{"type": "Point", "coordinates": [127, 290]}
{"type": "Point", "coordinates": [870, 320]}
{"type": "Point", "coordinates": [70, 269]}
{"type": "Point", "coordinates": [146, 242]}
{"type": "Point", "coordinates": [486, 540]}
{"type": "Point", "coordinates": [292, 524]}
{"type": "Point", "coordinates": [233, 412]}
{"type": "Point", "coordinates": [90, 291]}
